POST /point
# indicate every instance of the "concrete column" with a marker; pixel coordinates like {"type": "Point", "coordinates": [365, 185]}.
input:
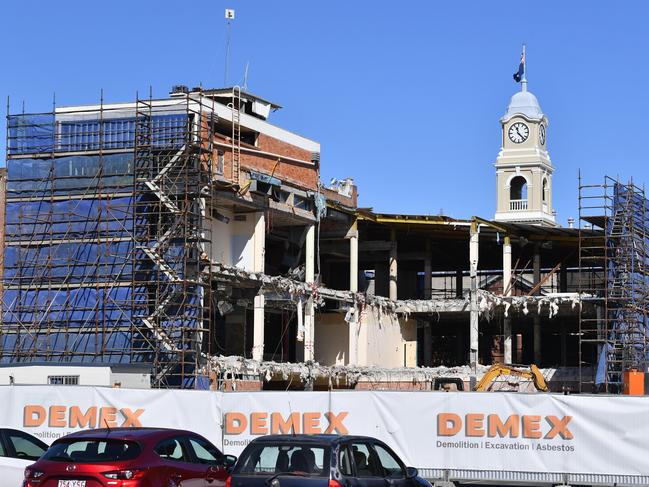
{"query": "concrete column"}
{"type": "Point", "coordinates": [537, 340]}
{"type": "Point", "coordinates": [428, 344]}
{"type": "Point", "coordinates": [259, 249]}
{"type": "Point", "coordinates": [382, 278]}
{"type": "Point", "coordinates": [428, 270]}
{"type": "Point", "coordinates": [564, 338]}
{"type": "Point", "coordinates": [309, 328]}
{"type": "Point", "coordinates": [537, 317]}
{"type": "Point", "coordinates": [258, 328]}
{"type": "Point", "coordinates": [459, 283]}
{"type": "Point", "coordinates": [353, 258]}
{"type": "Point", "coordinates": [507, 291]}
{"type": "Point", "coordinates": [354, 328]}
{"type": "Point", "coordinates": [460, 350]}
{"type": "Point", "coordinates": [393, 266]}
{"type": "Point", "coordinates": [353, 287]}
{"type": "Point", "coordinates": [537, 267]}
{"type": "Point", "coordinates": [563, 278]}
{"type": "Point", "coordinates": [474, 317]}
{"type": "Point", "coordinates": [309, 264]}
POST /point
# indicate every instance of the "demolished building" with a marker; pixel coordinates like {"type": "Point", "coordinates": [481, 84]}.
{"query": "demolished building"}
{"type": "Point", "coordinates": [179, 233]}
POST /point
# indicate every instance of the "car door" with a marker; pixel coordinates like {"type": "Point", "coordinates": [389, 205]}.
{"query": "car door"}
{"type": "Point", "coordinates": [394, 471]}
{"type": "Point", "coordinates": [176, 456]}
{"type": "Point", "coordinates": [366, 471]}
{"type": "Point", "coordinates": [23, 446]}
{"type": "Point", "coordinates": [210, 460]}
{"type": "Point", "coordinates": [12, 468]}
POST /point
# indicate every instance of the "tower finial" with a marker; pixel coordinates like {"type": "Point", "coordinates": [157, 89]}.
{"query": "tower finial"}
{"type": "Point", "coordinates": [524, 79]}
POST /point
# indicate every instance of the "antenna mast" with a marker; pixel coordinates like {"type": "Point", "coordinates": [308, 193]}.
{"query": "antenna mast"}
{"type": "Point", "coordinates": [245, 77]}
{"type": "Point", "coordinates": [229, 17]}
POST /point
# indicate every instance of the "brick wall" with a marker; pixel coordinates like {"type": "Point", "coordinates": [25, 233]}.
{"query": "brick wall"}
{"type": "Point", "coordinates": [351, 201]}
{"type": "Point", "coordinates": [305, 176]}
{"type": "Point", "coordinates": [236, 385]}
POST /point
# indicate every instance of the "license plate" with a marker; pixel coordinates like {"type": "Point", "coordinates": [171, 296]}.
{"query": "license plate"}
{"type": "Point", "coordinates": [72, 483]}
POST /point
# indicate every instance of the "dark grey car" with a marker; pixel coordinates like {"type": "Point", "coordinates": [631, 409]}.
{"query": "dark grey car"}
{"type": "Point", "coordinates": [321, 461]}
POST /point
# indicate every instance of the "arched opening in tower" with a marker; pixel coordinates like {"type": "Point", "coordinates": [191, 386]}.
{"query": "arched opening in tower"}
{"type": "Point", "coordinates": [518, 193]}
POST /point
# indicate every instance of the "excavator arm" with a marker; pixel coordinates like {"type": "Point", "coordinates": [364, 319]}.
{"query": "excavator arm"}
{"type": "Point", "coordinates": [496, 370]}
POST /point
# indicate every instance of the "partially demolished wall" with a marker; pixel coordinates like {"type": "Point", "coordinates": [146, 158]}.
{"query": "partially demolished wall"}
{"type": "Point", "coordinates": [288, 290]}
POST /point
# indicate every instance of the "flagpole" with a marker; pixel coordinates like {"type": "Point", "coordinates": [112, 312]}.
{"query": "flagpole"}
{"type": "Point", "coordinates": [524, 80]}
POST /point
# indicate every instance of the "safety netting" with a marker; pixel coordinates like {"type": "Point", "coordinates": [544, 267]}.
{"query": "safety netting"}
{"type": "Point", "coordinates": [78, 286]}
{"type": "Point", "coordinates": [627, 286]}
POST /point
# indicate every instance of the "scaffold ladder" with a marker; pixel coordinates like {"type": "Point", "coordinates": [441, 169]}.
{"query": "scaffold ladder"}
{"type": "Point", "coordinates": [235, 107]}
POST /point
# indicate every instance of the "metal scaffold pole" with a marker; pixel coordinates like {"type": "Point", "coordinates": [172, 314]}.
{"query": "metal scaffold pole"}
{"type": "Point", "coordinates": [107, 249]}
{"type": "Point", "coordinates": [613, 255]}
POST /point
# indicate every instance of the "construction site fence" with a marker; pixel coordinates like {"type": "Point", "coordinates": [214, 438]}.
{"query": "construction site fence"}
{"type": "Point", "coordinates": [462, 436]}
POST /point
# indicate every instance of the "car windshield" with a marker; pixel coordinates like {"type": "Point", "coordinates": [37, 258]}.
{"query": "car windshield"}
{"type": "Point", "coordinates": [92, 451]}
{"type": "Point", "coordinates": [293, 459]}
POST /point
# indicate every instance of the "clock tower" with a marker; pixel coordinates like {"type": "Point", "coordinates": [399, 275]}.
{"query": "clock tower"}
{"type": "Point", "coordinates": [523, 167]}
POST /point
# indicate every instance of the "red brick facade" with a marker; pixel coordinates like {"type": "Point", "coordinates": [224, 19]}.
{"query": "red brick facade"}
{"type": "Point", "coordinates": [303, 175]}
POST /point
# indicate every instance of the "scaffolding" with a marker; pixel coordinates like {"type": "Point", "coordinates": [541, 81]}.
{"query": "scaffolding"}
{"type": "Point", "coordinates": [613, 258]}
{"type": "Point", "coordinates": [107, 245]}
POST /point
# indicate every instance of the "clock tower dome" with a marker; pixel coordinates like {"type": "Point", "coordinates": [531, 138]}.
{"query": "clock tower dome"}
{"type": "Point", "coordinates": [523, 167]}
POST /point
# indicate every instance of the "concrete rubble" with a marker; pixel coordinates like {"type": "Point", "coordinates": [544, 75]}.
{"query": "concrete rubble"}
{"type": "Point", "coordinates": [234, 367]}
{"type": "Point", "coordinates": [279, 287]}
{"type": "Point", "coordinates": [489, 303]}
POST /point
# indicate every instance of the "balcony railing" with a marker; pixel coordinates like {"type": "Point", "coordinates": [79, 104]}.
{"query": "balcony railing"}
{"type": "Point", "coordinates": [517, 205]}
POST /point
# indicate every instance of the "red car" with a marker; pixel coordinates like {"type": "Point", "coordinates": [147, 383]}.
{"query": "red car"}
{"type": "Point", "coordinates": [130, 457]}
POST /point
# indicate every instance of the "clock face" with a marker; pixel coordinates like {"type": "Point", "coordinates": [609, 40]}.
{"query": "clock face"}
{"type": "Point", "coordinates": [542, 134]}
{"type": "Point", "coordinates": [518, 133]}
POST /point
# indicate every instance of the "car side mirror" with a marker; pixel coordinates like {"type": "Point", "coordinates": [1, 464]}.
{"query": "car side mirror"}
{"type": "Point", "coordinates": [230, 460]}
{"type": "Point", "coordinates": [411, 472]}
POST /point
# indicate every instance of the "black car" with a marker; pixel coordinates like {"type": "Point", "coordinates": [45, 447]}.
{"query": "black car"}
{"type": "Point", "coordinates": [321, 461]}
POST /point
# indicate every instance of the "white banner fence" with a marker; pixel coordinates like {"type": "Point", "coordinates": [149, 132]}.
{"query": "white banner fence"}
{"type": "Point", "coordinates": [465, 435]}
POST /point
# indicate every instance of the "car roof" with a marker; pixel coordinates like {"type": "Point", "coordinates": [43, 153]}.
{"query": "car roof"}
{"type": "Point", "coordinates": [320, 439]}
{"type": "Point", "coordinates": [134, 434]}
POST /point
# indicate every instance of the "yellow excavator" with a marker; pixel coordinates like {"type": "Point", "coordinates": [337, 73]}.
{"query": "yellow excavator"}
{"type": "Point", "coordinates": [496, 370]}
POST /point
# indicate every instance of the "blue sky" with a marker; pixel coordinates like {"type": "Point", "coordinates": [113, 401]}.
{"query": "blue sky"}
{"type": "Point", "coordinates": [404, 97]}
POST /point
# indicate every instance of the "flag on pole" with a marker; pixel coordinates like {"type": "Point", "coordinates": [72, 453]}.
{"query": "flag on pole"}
{"type": "Point", "coordinates": [518, 75]}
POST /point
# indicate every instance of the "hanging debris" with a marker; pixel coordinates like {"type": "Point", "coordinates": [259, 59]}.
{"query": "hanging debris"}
{"type": "Point", "coordinates": [293, 291]}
